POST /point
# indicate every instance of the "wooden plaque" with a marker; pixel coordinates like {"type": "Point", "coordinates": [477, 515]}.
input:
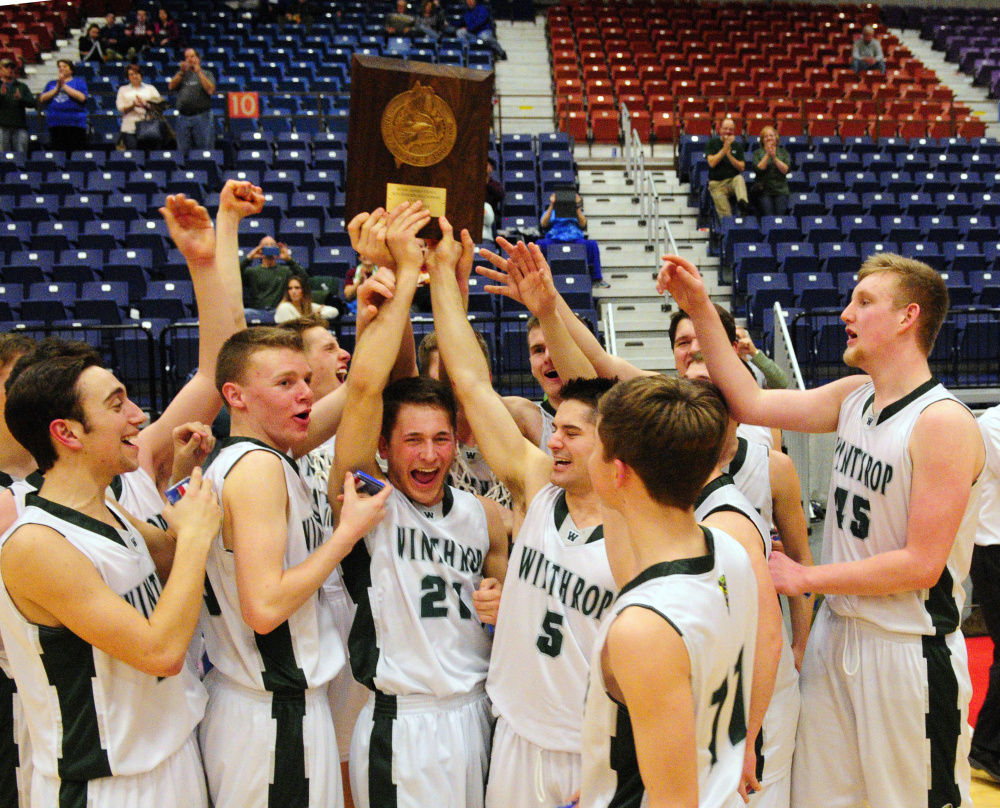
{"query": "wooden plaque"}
{"type": "Point", "coordinates": [419, 131]}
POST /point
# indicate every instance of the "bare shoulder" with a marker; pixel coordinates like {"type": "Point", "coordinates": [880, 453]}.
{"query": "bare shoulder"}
{"type": "Point", "coordinates": [526, 415]}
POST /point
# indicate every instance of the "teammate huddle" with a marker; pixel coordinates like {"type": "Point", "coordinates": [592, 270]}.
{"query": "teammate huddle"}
{"type": "Point", "coordinates": [639, 656]}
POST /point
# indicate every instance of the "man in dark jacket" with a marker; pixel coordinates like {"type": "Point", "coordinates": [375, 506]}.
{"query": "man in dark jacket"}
{"type": "Point", "coordinates": [15, 98]}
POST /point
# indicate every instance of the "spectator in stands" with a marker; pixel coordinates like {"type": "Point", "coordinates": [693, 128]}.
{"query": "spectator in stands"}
{"type": "Point", "coordinates": [867, 52]}
{"type": "Point", "coordinates": [167, 34]}
{"type": "Point", "coordinates": [431, 21]}
{"type": "Point", "coordinates": [15, 98]}
{"type": "Point", "coordinates": [194, 125]}
{"type": "Point", "coordinates": [770, 188]}
{"type": "Point", "coordinates": [401, 22]}
{"type": "Point", "coordinates": [66, 116]}
{"type": "Point", "coordinates": [774, 377]}
{"type": "Point", "coordinates": [113, 36]}
{"type": "Point", "coordinates": [297, 302]}
{"type": "Point", "coordinates": [726, 164]}
{"type": "Point", "coordinates": [92, 46]}
{"type": "Point", "coordinates": [354, 278]}
{"type": "Point", "coordinates": [477, 25]}
{"type": "Point", "coordinates": [559, 230]}
{"type": "Point", "coordinates": [138, 35]}
{"type": "Point", "coordinates": [133, 103]}
{"type": "Point", "coordinates": [299, 12]}
{"type": "Point", "coordinates": [495, 192]}
{"type": "Point", "coordinates": [264, 283]}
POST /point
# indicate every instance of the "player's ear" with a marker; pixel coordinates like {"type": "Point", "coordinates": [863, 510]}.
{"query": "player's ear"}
{"type": "Point", "coordinates": [66, 432]}
{"type": "Point", "coordinates": [383, 446]}
{"type": "Point", "coordinates": [233, 395]}
{"type": "Point", "coordinates": [622, 473]}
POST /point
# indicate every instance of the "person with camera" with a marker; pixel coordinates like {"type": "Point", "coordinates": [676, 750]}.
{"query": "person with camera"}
{"type": "Point", "coordinates": [194, 87]}
{"type": "Point", "coordinates": [264, 283]}
{"type": "Point", "coordinates": [133, 102]}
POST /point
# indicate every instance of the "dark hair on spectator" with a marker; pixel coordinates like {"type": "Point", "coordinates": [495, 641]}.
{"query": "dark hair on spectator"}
{"type": "Point", "coordinates": [419, 391]}
{"type": "Point", "coordinates": [728, 323]}
{"type": "Point", "coordinates": [65, 62]}
{"type": "Point", "coordinates": [54, 348]}
{"type": "Point", "coordinates": [587, 391]}
{"type": "Point", "coordinates": [239, 349]}
{"type": "Point", "coordinates": [668, 430]}
{"type": "Point", "coordinates": [44, 392]}
{"type": "Point", "coordinates": [13, 346]}
{"type": "Point", "coordinates": [133, 66]}
{"type": "Point", "coordinates": [306, 322]}
{"type": "Point", "coordinates": [92, 26]}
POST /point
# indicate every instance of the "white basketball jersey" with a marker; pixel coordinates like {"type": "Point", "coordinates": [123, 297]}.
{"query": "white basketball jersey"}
{"type": "Point", "coordinates": [868, 512]}
{"type": "Point", "coordinates": [90, 715]}
{"type": "Point", "coordinates": [750, 469]}
{"type": "Point", "coordinates": [416, 631]}
{"type": "Point", "coordinates": [470, 472]}
{"type": "Point", "coordinates": [303, 652]}
{"type": "Point", "coordinates": [316, 467]}
{"type": "Point", "coordinates": [756, 434]}
{"type": "Point", "coordinates": [138, 495]}
{"type": "Point", "coordinates": [557, 590]}
{"type": "Point", "coordinates": [988, 530]}
{"type": "Point", "coordinates": [711, 602]}
{"type": "Point", "coordinates": [777, 739]}
{"type": "Point", "coordinates": [548, 416]}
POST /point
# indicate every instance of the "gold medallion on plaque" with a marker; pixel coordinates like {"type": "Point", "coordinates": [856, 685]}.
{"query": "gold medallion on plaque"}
{"type": "Point", "coordinates": [418, 127]}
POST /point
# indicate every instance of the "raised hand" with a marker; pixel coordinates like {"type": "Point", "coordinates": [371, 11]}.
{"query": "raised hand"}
{"type": "Point", "coordinates": [463, 269]}
{"type": "Point", "coordinates": [681, 279]}
{"type": "Point", "coordinates": [505, 284]}
{"type": "Point", "coordinates": [193, 442]}
{"type": "Point", "coordinates": [447, 252]}
{"type": "Point", "coordinates": [402, 226]}
{"type": "Point", "coordinates": [534, 278]}
{"type": "Point", "coordinates": [372, 294]}
{"type": "Point", "coordinates": [367, 231]}
{"type": "Point", "coordinates": [241, 199]}
{"type": "Point", "coordinates": [197, 516]}
{"type": "Point", "coordinates": [360, 515]}
{"type": "Point", "coordinates": [191, 229]}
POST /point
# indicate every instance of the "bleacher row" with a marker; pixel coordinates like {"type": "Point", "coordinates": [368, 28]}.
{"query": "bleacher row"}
{"type": "Point", "coordinates": [28, 30]}
{"type": "Point", "coordinates": [681, 67]}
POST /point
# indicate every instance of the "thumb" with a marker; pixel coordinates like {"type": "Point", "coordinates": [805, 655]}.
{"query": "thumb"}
{"type": "Point", "coordinates": [488, 584]}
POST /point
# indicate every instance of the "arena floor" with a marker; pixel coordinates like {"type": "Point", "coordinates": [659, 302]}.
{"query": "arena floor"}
{"type": "Point", "coordinates": [985, 793]}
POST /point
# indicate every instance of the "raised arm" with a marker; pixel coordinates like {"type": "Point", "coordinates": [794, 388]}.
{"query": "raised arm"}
{"type": "Point", "coordinates": [521, 466]}
{"type": "Point", "coordinates": [54, 584]}
{"type": "Point", "coordinates": [816, 410]}
{"type": "Point", "coordinates": [255, 499]}
{"type": "Point", "coordinates": [375, 354]}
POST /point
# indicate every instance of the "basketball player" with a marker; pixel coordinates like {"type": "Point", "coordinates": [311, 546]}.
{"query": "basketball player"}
{"type": "Point", "coordinates": [269, 635]}
{"type": "Point", "coordinates": [550, 610]}
{"type": "Point", "coordinates": [423, 736]}
{"type": "Point", "coordinates": [328, 364]}
{"type": "Point", "coordinates": [98, 608]}
{"type": "Point", "coordinates": [898, 539]}
{"type": "Point", "coordinates": [665, 721]}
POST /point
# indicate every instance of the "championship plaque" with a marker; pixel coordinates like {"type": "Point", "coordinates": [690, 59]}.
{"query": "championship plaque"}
{"type": "Point", "coordinates": [419, 131]}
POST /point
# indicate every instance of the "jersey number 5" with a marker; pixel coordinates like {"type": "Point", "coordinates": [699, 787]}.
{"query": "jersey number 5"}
{"type": "Point", "coordinates": [861, 507]}
{"type": "Point", "coordinates": [550, 640]}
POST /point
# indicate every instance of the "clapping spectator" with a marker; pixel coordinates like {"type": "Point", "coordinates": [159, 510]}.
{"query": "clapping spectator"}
{"type": "Point", "coordinates": [770, 188]}
{"type": "Point", "coordinates": [477, 25]}
{"type": "Point", "coordinates": [66, 116]}
{"type": "Point", "coordinates": [133, 103]}
{"type": "Point", "coordinates": [166, 33]}
{"type": "Point", "coordinates": [15, 98]}
{"type": "Point", "coordinates": [195, 125]}
{"type": "Point", "coordinates": [867, 52]}
{"type": "Point", "coordinates": [298, 302]}
{"type": "Point", "coordinates": [726, 164]}
{"type": "Point", "coordinates": [92, 46]}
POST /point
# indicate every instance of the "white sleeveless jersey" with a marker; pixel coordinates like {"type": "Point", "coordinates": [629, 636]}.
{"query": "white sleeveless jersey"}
{"type": "Point", "coordinates": [315, 468]}
{"type": "Point", "coordinates": [750, 469]}
{"type": "Point", "coordinates": [470, 472]}
{"type": "Point", "coordinates": [756, 434]}
{"type": "Point", "coordinates": [988, 530]}
{"type": "Point", "coordinates": [19, 489]}
{"type": "Point", "coordinates": [548, 416]}
{"type": "Point", "coordinates": [868, 512]}
{"type": "Point", "coordinates": [138, 495]}
{"type": "Point", "coordinates": [711, 602]}
{"type": "Point", "coordinates": [90, 715]}
{"type": "Point", "coordinates": [777, 741]}
{"type": "Point", "coordinates": [557, 589]}
{"type": "Point", "coordinates": [416, 631]}
{"type": "Point", "coordinates": [303, 652]}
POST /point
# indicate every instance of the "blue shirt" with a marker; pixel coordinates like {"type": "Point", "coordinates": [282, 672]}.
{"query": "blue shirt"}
{"type": "Point", "coordinates": [63, 110]}
{"type": "Point", "coordinates": [477, 19]}
{"type": "Point", "coordinates": [564, 230]}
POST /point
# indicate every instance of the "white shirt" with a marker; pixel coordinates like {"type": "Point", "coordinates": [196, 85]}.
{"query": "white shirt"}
{"type": "Point", "coordinates": [127, 95]}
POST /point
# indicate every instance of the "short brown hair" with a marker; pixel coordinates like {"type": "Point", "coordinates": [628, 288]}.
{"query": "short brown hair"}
{"type": "Point", "coordinates": [13, 346]}
{"type": "Point", "coordinates": [429, 344]}
{"type": "Point", "coordinates": [728, 323]}
{"type": "Point", "coordinates": [668, 430]}
{"type": "Point", "coordinates": [916, 282]}
{"type": "Point", "coordinates": [239, 349]}
{"type": "Point", "coordinates": [306, 323]}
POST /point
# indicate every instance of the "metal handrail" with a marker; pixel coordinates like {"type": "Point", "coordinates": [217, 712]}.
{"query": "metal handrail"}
{"type": "Point", "coordinates": [610, 335]}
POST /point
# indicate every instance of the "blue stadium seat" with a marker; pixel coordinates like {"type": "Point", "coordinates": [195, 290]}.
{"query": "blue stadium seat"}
{"type": "Point", "coordinates": [749, 259]}
{"type": "Point", "coordinates": [880, 203]}
{"type": "Point", "coordinates": [253, 230]}
{"type": "Point", "coordinates": [845, 203]}
{"type": "Point", "coordinates": [825, 183]}
{"type": "Point", "coordinates": [299, 232]}
{"type": "Point", "coordinates": [900, 227]}
{"type": "Point", "coordinates": [862, 182]}
{"type": "Point", "coordinates": [55, 236]}
{"type": "Point", "coordinates": [815, 290]}
{"type": "Point", "coordinates": [44, 310]}
{"type": "Point", "coordinates": [575, 290]}
{"type": "Point", "coordinates": [567, 259]}
{"type": "Point", "coordinates": [898, 182]}
{"type": "Point", "coordinates": [806, 203]}
{"type": "Point", "coordinates": [959, 290]}
{"type": "Point", "coordinates": [839, 258]}
{"type": "Point", "coordinates": [763, 291]}
{"type": "Point", "coordinates": [919, 204]}
{"type": "Point", "coordinates": [124, 208]}
{"type": "Point", "coordinates": [11, 294]}
{"type": "Point", "coordinates": [794, 258]}
{"type": "Point", "coordinates": [323, 180]}
{"type": "Point", "coordinates": [928, 253]}
{"type": "Point", "coordinates": [80, 208]}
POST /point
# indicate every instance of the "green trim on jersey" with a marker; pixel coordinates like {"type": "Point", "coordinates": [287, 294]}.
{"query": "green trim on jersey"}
{"type": "Point", "coordinates": [943, 723]}
{"type": "Point", "coordinates": [896, 406]}
{"type": "Point", "coordinates": [226, 442]}
{"type": "Point", "coordinates": [560, 513]}
{"type": "Point", "coordinates": [941, 605]}
{"type": "Point", "coordinates": [381, 788]}
{"type": "Point", "coordinates": [629, 789]}
{"type": "Point", "coordinates": [290, 786]}
{"type": "Point", "coordinates": [6, 481]}
{"type": "Point", "coordinates": [69, 666]}
{"type": "Point", "coordinates": [362, 642]}
{"type": "Point", "coordinates": [75, 518]}
{"type": "Point", "coordinates": [281, 673]}
{"type": "Point", "coordinates": [682, 566]}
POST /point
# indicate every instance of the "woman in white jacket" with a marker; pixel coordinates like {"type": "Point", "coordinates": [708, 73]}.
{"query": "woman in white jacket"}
{"type": "Point", "coordinates": [133, 103]}
{"type": "Point", "coordinates": [298, 302]}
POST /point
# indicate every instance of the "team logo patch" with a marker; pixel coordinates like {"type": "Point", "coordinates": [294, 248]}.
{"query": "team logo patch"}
{"type": "Point", "coordinates": [429, 514]}
{"type": "Point", "coordinates": [724, 589]}
{"type": "Point", "coordinates": [573, 536]}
